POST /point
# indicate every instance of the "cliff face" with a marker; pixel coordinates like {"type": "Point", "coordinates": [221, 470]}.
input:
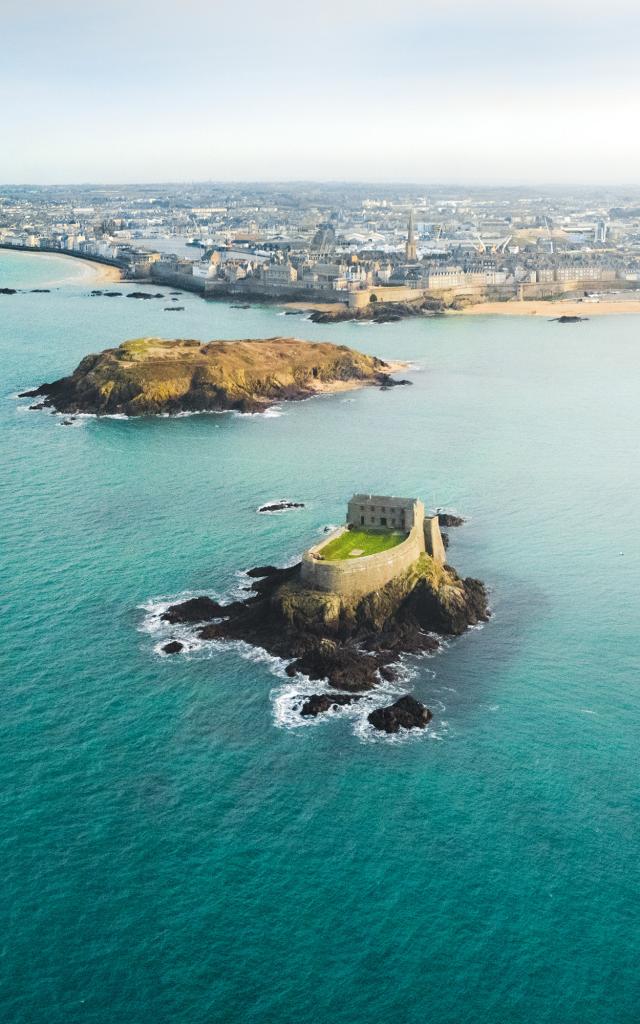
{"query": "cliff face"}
{"type": "Point", "coordinates": [429, 596]}
{"type": "Point", "coordinates": [149, 376]}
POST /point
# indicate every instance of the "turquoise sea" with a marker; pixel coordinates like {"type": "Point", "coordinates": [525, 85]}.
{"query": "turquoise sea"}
{"type": "Point", "coordinates": [174, 846]}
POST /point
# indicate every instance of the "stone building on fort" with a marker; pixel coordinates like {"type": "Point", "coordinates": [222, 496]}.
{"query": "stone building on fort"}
{"type": "Point", "coordinates": [395, 530]}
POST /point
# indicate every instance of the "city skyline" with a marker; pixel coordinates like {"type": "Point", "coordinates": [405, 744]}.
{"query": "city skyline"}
{"type": "Point", "coordinates": [364, 93]}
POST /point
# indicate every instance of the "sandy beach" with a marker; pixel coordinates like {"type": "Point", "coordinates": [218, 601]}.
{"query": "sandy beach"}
{"type": "Point", "coordinates": [623, 303]}
{"type": "Point", "coordinates": [88, 270]}
{"type": "Point", "coordinates": [553, 307]}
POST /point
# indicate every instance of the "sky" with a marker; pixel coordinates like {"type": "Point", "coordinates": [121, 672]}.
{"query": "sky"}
{"type": "Point", "coordinates": [485, 92]}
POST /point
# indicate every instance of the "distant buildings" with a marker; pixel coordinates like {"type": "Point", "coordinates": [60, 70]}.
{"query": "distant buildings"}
{"type": "Point", "coordinates": [336, 243]}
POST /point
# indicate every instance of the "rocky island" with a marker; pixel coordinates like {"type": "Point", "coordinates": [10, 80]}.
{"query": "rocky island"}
{"type": "Point", "coordinates": [382, 312]}
{"type": "Point", "coordinates": [371, 591]}
{"type": "Point", "coordinates": [149, 376]}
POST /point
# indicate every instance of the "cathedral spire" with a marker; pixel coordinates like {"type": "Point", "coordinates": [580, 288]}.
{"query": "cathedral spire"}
{"type": "Point", "coordinates": [410, 248]}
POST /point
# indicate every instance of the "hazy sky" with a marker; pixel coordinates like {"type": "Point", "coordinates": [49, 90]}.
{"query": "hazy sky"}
{"type": "Point", "coordinates": [489, 91]}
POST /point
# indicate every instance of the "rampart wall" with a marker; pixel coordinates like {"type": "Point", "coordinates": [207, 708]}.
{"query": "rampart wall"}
{"type": "Point", "coordinates": [357, 576]}
{"type": "Point", "coordinates": [186, 282]}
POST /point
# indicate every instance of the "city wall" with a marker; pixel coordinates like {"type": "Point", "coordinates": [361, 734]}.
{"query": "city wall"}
{"type": "Point", "coordinates": [482, 292]}
{"type": "Point", "coordinates": [383, 293]}
{"type": "Point", "coordinates": [186, 282]}
{"type": "Point", "coordinates": [267, 293]}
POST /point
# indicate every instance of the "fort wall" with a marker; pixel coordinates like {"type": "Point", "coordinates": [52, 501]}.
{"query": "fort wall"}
{"type": "Point", "coordinates": [433, 539]}
{"type": "Point", "coordinates": [358, 576]}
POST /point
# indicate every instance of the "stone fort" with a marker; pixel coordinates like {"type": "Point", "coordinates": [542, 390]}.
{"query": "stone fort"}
{"type": "Point", "coordinates": [360, 573]}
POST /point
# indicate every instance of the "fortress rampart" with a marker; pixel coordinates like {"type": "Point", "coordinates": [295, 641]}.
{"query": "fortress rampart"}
{"type": "Point", "coordinates": [354, 577]}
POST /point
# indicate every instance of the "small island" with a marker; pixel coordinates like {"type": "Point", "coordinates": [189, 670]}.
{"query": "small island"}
{"type": "Point", "coordinates": [150, 376]}
{"type": "Point", "coordinates": [371, 591]}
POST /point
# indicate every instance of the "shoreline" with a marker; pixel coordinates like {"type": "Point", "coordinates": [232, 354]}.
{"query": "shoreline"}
{"type": "Point", "coordinates": [87, 268]}
{"type": "Point", "coordinates": [533, 307]}
{"type": "Point", "coordinates": [550, 308]}
{"type": "Point", "coordinates": [91, 270]}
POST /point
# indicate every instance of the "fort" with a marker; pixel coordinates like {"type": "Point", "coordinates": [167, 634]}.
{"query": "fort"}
{"type": "Point", "coordinates": [383, 537]}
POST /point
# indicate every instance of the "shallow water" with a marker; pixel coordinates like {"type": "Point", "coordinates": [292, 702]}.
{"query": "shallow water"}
{"type": "Point", "coordinates": [175, 847]}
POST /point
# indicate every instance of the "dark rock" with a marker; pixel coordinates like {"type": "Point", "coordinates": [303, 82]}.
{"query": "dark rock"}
{"type": "Point", "coordinates": [389, 383]}
{"type": "Point", "coordinates": [280, 506]}
{"type": "Point", "coordinates": [66, 423]}
{"type": "Point", "coordinates": [387, 318]}
{"type": "Point", "coordinates": [387, 673]}
{"type": "Point", "coordinates": [145, 295]}
{"type": "Point", "coordinates": [38, 405]}
{"type": "Point", "coordinates": [243, 305]}
{"type": "Point", "coordinates": [406, 713]}
{"type": "Point", "coordinates": [449, 519]}
{"type": "Point", "coordinates": [111, 295]}
{"type": "Point", "coordinates": [293, 312]}
{"type": "Point", "coordinates": [8, 291]}
{"type": "Point", "coordinates": [196, 609]}
{"type": "Point", "coordinates": [565, 319]}
{"type": "Point", "coordinates": [351, 643]}
{"type": "Point", "coordinates": [173, 309]}
{"type": "Point", "coordinates": [40, 291]}
{"type": "Point", "coordinates": [173, 647]}
{"type": "Point", "coordinates": [343, 667]}
{"type": "Point", "coordinates": [318, 703]}
{"type": "Point", "coordinates": [34, 393]}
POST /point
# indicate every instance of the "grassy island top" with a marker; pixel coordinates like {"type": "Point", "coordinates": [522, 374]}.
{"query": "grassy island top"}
{"type": "Point", "coordinates": [357, 543]}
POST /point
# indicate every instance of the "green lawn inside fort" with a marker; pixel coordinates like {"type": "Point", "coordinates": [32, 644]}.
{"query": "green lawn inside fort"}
{"type": "Point", "coordinates": [358, 543]}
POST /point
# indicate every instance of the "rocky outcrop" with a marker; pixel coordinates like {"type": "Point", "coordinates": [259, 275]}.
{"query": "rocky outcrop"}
{"type": "Point", "coordinates": [449, 519]}
{"type": "Point", "coordinates": [149, 376]}
{"type": "Point", "coordinates": [173, 647]}
{"type": "Point", "coordinates": [351, 643]}
{"type": "Point", "coordinates": [406, 713]}
{"type": "Point", "coordinates": [280, 506]}
{"type": "Point", "coordinates": [565, 319]}
{"type": "Point", "coordinates": [379, 312]}
{"type": "Point", "coordinates": [196, 609]}
{"type": "Point", "coordinates": [319, 703]}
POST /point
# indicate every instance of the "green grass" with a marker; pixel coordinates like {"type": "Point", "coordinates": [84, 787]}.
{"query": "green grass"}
{"type": "Point", "coordinates": [368, 542]}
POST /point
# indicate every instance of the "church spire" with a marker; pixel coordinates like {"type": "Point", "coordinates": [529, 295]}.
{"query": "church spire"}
{"type": "Point", "coordinates": [410, 248]}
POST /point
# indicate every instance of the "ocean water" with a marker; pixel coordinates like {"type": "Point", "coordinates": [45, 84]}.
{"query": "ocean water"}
{"type": "Point", "coordinates": [175, 845]}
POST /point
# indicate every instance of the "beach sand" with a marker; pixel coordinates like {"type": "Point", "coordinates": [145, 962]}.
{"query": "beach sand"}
{"type": "Point", "coordinates": [89, 270]}
{"type": "Point", "coordinates": [535, 307]}
{"type": "Point", "coordinates": [553, 307]}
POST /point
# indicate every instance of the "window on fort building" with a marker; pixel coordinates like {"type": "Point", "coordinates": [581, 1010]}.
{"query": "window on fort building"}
{"type": "Point", "coordinates": [361, 520]}
{"type": "Point", "coordinates": [383, 521]}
